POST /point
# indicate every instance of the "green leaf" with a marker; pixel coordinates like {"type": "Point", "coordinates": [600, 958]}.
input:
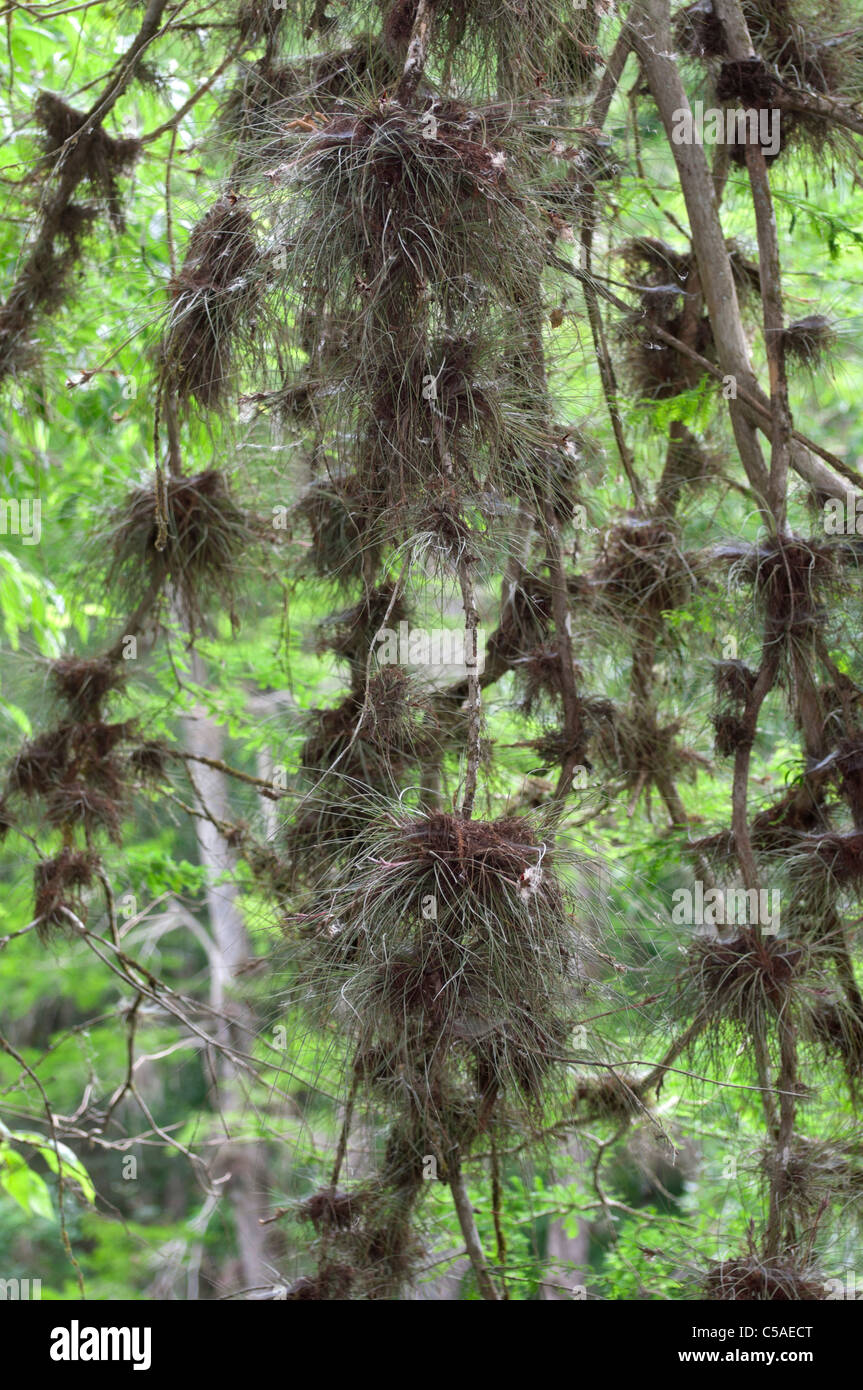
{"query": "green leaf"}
{"type": "Point", "coordinates": [23, 1185]}
{"type": "Point", "coordinates": [72, 1166]}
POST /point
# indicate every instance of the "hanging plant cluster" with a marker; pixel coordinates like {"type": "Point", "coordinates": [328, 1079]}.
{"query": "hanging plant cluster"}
{"type": "Point", "coordinates": [387, 266]}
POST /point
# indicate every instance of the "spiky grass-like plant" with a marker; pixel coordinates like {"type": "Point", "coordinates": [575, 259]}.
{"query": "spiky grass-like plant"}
{"type": "Point", "coordinates": [347, 527]}
{"type": "Point", "coordinates": [205, 542]}
{"type": "Point", "coordinates": [610, 1096]}
{"type": "Point", "coordinates": [664, 281]}
{"type": "Point", "coordinates": [449, 412]}
{"type": "Point", "coordinates": [94, 154]}
{"type": "Point", "coordinates": [354, 754]}
{"type": "Point", "coordinates": [83, 683]}
{"type": "Point", "coordinates": [75, 770]}
{"type": "Point", "coordinates": [387, 212]}
{"type": "Point", "coordinates": [447, 953]}
{"type": "Point", "coordinates": [451, 943]}
{"type": "Point", "coordinates": [270, 92]}
{"type": "Point", "coordinates": [539, 678]}
{"type": "Point", "coordinates": [642, 570]}
{"type": "Point", "coordinates": [809, 340]}
{"type": "Point", "coordinates": [59, 884]}
{"type": "Point", "coordinates": [351, 633]}
{"type": "Point", "coordinates": [752, 1278]}
{"type": "Point", "coordinates": [698, 30]}
{"type": "Point", "coordinates": [212, 298]}
{"type": "Point", "coordinates": [815, 1170]}
{"type": "Point", "coordinates": [837, 1028]}
{"type": "Point", "coordinates": [523, 45]}
{"type": "Point", "coordinates": [792, 579]}
{"type": "Point", "coordinates": [746, 981]}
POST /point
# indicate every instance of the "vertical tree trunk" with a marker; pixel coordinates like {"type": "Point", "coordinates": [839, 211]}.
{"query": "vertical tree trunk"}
{"type": "Point", "coordinates": [243, 1162]}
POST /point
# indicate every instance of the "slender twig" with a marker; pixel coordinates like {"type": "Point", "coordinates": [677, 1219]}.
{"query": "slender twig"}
{"type": "Point", "coordinates": [467, 1222]}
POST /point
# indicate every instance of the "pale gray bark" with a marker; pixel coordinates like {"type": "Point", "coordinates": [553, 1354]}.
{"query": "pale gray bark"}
{"type": "Point", "coordinates": [243, 1163]}
{"type": "Point", "coordinates": [567, 1256]}
{"type": "Point", "coordinates": [650, 29]}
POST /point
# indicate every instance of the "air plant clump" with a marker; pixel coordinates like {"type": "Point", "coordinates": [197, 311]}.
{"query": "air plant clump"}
{"type": "Point", "coordinates": [790, 580]}
{"type": "Point", "coordinates": [730, 733]}
{"type": "Point", "coordinates": [655, 263]}
{"type": "Point", "coordinates": [446, 410]}
{"type": "Point", "coordinates": [58, 885]}
{"type": "Point", "coordinates": [811, 1170]}
{"type": "Point", "coordinates": [74, 769]}
{"type": "Point", "coordinates": [634, 746]}
{"type": "Point", "coordinates": [450, 947]}
{"type": "Point", "coordinates": [526, 45]}
{"type": "Point", "coordinates": [207, 538]}
{"type": "Point", "coordinates": [443, 537]}
{"type": "Point", "coordinates": [800, 44]}
{"type": "Point", "coordinates": [746, 81]}
{"type": "Point", "coordinates": [331, 1210]}
{"type": "Point", "coordinates": [687, 465]}
{"type": "Point", "coordinates": [351, 633]}
{"type": "Point", "coordinates": [213, 298]}
{"type": "Point", "coordinates": [346, 528]}
{"type": "Point", "coordinates": [743, 981]}
{"type": "Point", "coordinates": [780, 824]}
{"type": "Point", "coordinates": [149, 760]}
{"type": "Point", "coordinates": [367, 740]}
{"type": "Point", "coordinates": [555, 474]}
{"type": "Point", "coordinates": [397, 213]}
{"type": "Point", "coordinates": [257, 20]}
{"type": "Point", "coordinates": [642, 572]}
{"type": "Point", "coordinates": [769, 1279]}
{"type": "Point", "coordinates": [524, 622]}
{"type": "Point", "coordinates": [333, 1281]}
{"type": "Point", "coordinates": [270, 871]}
{"type": "Point", "coordinates": [838, 1028]}
{"type": "Point", "coordinates": [734, 680]}
{"type": "Point", "coordinates": [576, 58]}
{"type": "Point", "coordinates": [43, 280]}
{"type": "Point", "coordinates": [609, 1096]}
{"type": "Point", "coordinates": [255, 108]}
{"type": "Point", "coordinates": [83, 683]}
{"type": "Point", "coordinates": [332, 737]}
{"type": "Point", "coordinates": [698, 31]}
{"type": "Point", "coordinates": [809, 340]}
{"type": "Point", "coordinates": [39, 763]}
{"type": "Point", "coordinates": [446, 955]}
{"type": "Point", "coordinates": [393, 706]}
{"type": "Point", "coordinates": [663, 277]}
{"type": "Point", "coordinates": [554, 747]}
{"type": "Point", "coordinates": [79, 804]}
{"type": "Point", "coordinates": [838, 854]}
{"type": "Point", "coordinates": [848, 769]}
{"type": "Point", "coordinates": [85, 150]}
{"type": "Point", "coordinates": [745, 269]}
{"type": "Point", "coordinates": [539, 675]}
{"type": "Point", "coordinates": [354, 751]}
{"type": "Point", "coordinates": [377, 1244]}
